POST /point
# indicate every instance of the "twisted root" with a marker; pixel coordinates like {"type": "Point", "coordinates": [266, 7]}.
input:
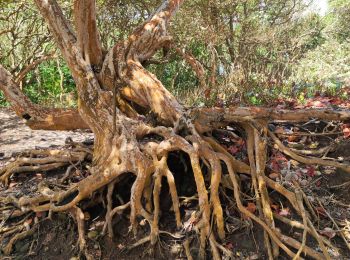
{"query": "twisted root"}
{"type": "Point", "coordinates": [149, 173]}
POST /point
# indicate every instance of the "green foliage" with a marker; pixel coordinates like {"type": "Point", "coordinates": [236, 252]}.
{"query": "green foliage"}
{"type": "Point", "coordinates": [45, 86]}
{"type": "Point", "coordinates": [328, 65]}
{"type": "Point", "coordinates": [3, 102]}
{"type": "Point", "coordinates": [262, 50]}
{"type": "Point", "coordinates": [339, 19]}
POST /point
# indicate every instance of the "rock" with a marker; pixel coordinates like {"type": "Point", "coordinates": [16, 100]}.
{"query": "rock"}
{"type": "Point", "coordinates": [92, 234]}
{"type": "Point", "coordinates": [304, 183]}
{"type": "Point", "coordinates": [176, 249]}
{"type": "Point", "coordinates": [22, 246]}
{"type": "Point", "coordinates": [254, 257]}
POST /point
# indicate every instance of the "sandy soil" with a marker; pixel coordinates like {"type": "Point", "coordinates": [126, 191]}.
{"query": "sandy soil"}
{"type": "Point", "coordinates": [16, 137]}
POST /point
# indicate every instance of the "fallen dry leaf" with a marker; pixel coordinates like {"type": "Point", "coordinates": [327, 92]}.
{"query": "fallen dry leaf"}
{"type": "Point", "coordinates": [120, 246]}
{"type": "Point", "coordinates": [274, 175]}
{"type": "Point", "coordinates": [321, 211]}
{"type": "Point", "coordinates": [346, 130]}
{"type": "Point", "coordinates": [328, 232]}
{"type": "Point", "coordinates": [285, 212]}
{"type": "Point", "coordinates": [251, 207]}
{"type": "Point", "coordinates": [29, 221]}
{"type": "Point", "coordinates": [229, 246]}
{"type": "Point", "coordinates": [143, 222]}
{"type": "Point", "coordinates": [12, 184]}
{"type": "Point", "coordinates": [310, 171]}
{"type": "Point", "coordinates": [279, 130]}
{"type": "Point", "coordinates": [233, 149]}
{"type": "Point", "coordinates": [292, 138]}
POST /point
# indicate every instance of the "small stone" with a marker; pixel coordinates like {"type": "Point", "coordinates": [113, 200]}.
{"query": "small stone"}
{"type": "Point", "coordinates": [254, 257]}
{"type": "Point", "coordinates": [22, 247]}
{"type": "Point", "coordinates": [92, 234]}
{"type": "Point", "coordinates": [120, 246]}
{"type": "Point", "coordinates": [304, 182]}
{"type": "Point", "coordinates": [176, 249]}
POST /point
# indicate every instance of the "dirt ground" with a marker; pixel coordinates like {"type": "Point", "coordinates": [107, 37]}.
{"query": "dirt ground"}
{"type": "Point", "coordinates": [56, 237]}
{"type": "Point", "coordinates": [16, 137]}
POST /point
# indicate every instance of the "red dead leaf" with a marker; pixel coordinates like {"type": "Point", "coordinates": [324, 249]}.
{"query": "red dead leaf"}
{"type": "Point", "coordinates": [229, 246]}
{"type": "Point", "coordinates": [207, 93]}
{"type": "Point", "coordinates": [328, 232]}
{"type": "Point", "coordinates": [274, 175]}
{"type": "Point", "coordinates": [240, 142]}
{"type": "Point", "coordinates": [233, 149]}
{"type": "Point", "coordinates": [311, 171]}
{"type": "Point", "coordinates": [275, 166]}
{"type": "Point", "coordinates": [321, 211]}
{"type": "Point", "coordinates": [251, 207]}
{"type": "Point", "coordinates": [346, 130]}
{"type": "Point", "coordinates": [292, 138]}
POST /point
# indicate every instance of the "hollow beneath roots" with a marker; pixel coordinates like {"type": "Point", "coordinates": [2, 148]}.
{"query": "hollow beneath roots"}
{"type": "Point", "coordinates": [189, 188]}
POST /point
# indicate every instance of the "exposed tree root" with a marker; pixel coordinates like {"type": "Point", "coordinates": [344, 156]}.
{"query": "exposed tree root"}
{"type": "Point", "coordinates": [78, 215]}
{"type": "Point", "coordinates": [19, 236]}
{"type": "Point", "coordinates": [198, 148]}
{"type": "Point", "coordinates": [51, 161]}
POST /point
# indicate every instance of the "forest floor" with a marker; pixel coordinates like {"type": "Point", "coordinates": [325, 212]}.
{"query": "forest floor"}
{"type": "Point", "coordinates": [326, 188]}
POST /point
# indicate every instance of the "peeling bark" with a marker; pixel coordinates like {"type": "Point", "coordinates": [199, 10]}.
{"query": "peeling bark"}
{"type": "Point", "coordinates": [87, 34]}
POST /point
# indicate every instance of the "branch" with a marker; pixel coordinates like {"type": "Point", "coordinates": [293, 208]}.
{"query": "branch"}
{"type": "Point", "coordinates": [123, 63]}
{"type": "Point", "coordinates": [212, 118]}
{"type": "Point", "coordinates": [87, 33]}
{"type": "Point", "coordinates": [37, 117]}
{"type": "Point", "coordinates": [60, 28]}
{"type": "Point", "coordinates": [195, 65]}
{"type": "Point", "coordinates": [20, 76]}
{"type": "Point", "coordinates": [92, 102]}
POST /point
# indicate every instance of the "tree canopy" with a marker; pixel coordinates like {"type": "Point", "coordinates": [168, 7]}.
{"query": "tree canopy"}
{"type": "Point", "coordinates": [256, 51]}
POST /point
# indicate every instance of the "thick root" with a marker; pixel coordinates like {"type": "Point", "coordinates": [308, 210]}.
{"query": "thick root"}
{"type": "Point", "coordinates": [145, 199]}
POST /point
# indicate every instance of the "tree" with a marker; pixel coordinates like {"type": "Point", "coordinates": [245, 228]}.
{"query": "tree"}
{"type": "Point", "coordinates": [138, 123]}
